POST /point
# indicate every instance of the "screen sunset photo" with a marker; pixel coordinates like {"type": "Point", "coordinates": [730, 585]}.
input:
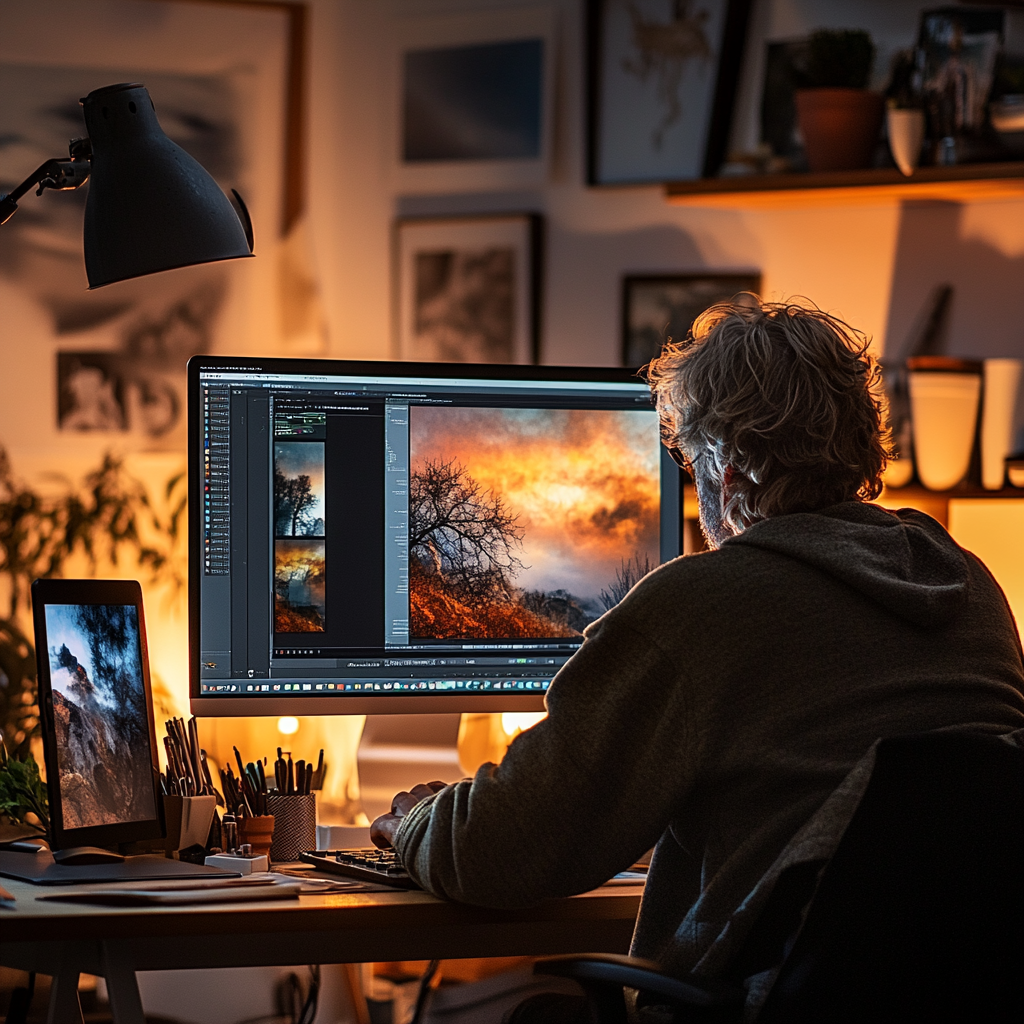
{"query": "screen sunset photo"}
{"type": "Point", "coordinates": [528, 522]}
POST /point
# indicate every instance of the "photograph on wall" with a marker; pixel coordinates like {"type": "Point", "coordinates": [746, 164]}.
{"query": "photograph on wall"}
{"type": "Point", "coordinates": [528, 522]}
{"type": "Point", "coordinates": [474, 102]}
{"type": "Point", "coordinates": [472, 94]}
{"type": "Point", "coordinates": [662, 78]}
{"type": "Point", "coordinates": [657, 308]}
{"type": "Point", "coordinates": [468, 289]}
{"type": "Point", "coordinates": [299, 586]}
{"type": "Point", "coordinates": [100, 714]}
{"type": "Point", "coordinates": [299, 489]}
{"type": "Point", "coordinates": [156, 322]}
{"type": "Point", "coordinates": [224, 103]}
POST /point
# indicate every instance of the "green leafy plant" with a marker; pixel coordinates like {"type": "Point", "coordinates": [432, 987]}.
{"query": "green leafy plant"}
{"type": "Point", "coordinates": [837, 58]}
{"type": "Point", "coordinates": [22, 791]}
{"type": "Point", "coordinates": [107, 515]}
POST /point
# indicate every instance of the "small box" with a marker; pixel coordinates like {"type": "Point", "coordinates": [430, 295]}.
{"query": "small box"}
{"type": "Point", "coordinates": [342, 837]}
{"type": "Point", "coordinates": [243, 865]}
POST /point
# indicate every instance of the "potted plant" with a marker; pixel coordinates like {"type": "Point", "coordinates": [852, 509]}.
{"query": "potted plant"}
{"type": "Point", "coordinates": [38, 533]}
{"type": "Point", "coordinates": [839, 116]}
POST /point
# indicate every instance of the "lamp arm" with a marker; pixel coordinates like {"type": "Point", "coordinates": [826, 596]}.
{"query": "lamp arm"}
{"type": "Point", "coordinates": [62, 175]}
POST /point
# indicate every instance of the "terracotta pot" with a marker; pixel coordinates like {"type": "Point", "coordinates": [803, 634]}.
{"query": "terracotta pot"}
{"type": "Point", "coordinates": [840, 127]}
{"type": "Point", "coordinates": [258, 832]}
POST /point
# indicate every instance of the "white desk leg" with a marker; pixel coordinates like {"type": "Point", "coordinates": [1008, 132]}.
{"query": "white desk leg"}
{"type": "Point", "coordinates": [65, 1007]}
{"type": "Point", "coordinates": [122, 988]}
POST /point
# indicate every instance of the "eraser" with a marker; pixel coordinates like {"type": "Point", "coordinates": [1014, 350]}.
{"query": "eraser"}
{"type": "Point", "coordinates": [244, 865]}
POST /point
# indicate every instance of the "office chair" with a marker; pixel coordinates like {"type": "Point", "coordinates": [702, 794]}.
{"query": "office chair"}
{"type": "Point", "coordinates": [918, 917]}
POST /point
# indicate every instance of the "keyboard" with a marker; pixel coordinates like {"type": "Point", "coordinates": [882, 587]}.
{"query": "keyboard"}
{"type": "Point", "coordinates": [384, 867]}
{"type": "Point", "coordinates": [368, 865]}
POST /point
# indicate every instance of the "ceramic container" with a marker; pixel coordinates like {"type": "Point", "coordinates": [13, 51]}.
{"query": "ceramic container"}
{"type": "Point", "coordinates": [945, 395]}
{"type": "Point", "coordinates": [188, 820]}
{"type": "Point", "coordinates": [1002, 387]}
{"type": "Point", "coordinates": [258, 832]}
{"type": "Point", "coordinates": [840, 127]}
{"type": "Point", "coordinates": [906, 137]}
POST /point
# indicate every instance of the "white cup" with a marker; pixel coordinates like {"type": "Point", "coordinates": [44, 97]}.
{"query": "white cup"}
{"type": "Point", "coordinates": [944, 407]}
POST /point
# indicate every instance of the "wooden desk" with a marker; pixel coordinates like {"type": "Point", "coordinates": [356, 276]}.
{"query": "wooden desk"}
{"type": "Point", "coordinates": [65, 939]}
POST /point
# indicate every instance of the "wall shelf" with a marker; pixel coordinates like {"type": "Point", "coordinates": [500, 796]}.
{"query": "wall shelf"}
{"type": "Point", "coordinates": [936, 503]}
{"type": "Point", "coordinates": [963, 183]}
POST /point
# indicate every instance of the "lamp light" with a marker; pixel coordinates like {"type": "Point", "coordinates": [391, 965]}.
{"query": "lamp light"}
{"type": "Point", "coordinates": [151, 206]}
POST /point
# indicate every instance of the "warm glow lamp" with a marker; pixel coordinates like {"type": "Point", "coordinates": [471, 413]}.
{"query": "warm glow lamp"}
{"type": "Point", "coordinates": [151, 206]}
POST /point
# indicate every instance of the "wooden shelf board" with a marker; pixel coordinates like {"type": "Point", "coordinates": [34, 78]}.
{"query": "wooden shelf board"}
{"type": "Point", "coordinates": [882, 185]}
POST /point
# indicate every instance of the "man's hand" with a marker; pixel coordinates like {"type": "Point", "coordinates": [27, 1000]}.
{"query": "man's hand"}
{"type": "Point", "coordinates": [383, 830]}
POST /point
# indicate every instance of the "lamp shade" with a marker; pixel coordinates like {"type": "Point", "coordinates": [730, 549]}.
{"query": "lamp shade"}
{"type": "Point", "coordinates": [151, 206]}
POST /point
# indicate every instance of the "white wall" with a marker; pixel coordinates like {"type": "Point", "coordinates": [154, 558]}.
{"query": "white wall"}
{"type": "Point", "coordinates": [875, 265]}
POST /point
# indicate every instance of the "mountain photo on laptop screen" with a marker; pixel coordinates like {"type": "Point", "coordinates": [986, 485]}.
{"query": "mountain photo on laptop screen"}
{"type": "Point", "coordinates": [527, 522]}
{"type": "Point", "coordinates": [99, 708]}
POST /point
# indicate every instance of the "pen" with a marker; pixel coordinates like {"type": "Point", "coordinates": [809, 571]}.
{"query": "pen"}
{"type": "Point", "coordinates": [6, 897]}
{"type": "Point", "coordinates": [309, 778]}
{"type": "Point", "coordinates": [291, 775]}
{"type": "Point", "coordinates": [318, 775]}
{"type": "Point", "coordinates": [300, 775]}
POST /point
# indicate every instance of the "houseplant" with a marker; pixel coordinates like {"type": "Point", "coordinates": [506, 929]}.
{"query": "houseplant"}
{"type": "Point", "coordinates": [839, 116]}
{"type": "Point", "coordinates": [108, 515]}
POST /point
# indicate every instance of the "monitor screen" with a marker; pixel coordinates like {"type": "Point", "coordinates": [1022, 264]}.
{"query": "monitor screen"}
{"type": "Point", "coordinates": [401, 537]}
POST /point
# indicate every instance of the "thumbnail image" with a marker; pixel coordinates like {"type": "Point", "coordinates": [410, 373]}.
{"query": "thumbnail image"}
{"type": "Point", "coordinates": [99, 709]}
{"type": "Point", "coordinates": [528, 522]}
{"type": "Point", "coordinates": [299, 586]}
{"type": "Point", "coordinates": [299, 489]}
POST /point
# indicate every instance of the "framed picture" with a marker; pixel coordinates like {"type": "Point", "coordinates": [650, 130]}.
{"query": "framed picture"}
{"type": "Point", "coordinates": [662, 307]}
{"type": "Point", "coordinates": [468, 289]}
{"type": "Point", "coordinates": [223, 78]}
{"type": "Point", "coordinates": [662, 77]}
{"type": "Point", "coordinates": [472, 96]}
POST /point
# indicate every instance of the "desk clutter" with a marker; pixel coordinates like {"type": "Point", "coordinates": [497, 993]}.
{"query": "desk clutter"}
{"type": "Point", "coordinates": [277, 821]}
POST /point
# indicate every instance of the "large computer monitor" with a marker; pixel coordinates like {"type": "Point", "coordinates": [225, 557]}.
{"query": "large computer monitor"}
{"type": "Point", "coordinates": [373, 538]}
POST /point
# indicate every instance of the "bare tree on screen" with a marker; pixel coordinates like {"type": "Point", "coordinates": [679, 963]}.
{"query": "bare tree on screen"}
{"type": "Point", "coordinates": [462, 532]}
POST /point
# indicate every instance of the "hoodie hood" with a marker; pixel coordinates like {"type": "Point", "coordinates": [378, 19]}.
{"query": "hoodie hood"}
{"type": "Point", "coordinates": [904, 561]}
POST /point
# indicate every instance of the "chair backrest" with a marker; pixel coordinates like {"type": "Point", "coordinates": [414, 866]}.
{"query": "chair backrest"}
{"type": "Point", "coordinates": [919, 916]}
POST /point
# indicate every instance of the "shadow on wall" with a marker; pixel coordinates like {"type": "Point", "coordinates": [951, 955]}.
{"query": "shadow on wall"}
{"type": "Point", "coordinates": [986, 317]}
{"type": "Point", "coordinates": [585, 271]}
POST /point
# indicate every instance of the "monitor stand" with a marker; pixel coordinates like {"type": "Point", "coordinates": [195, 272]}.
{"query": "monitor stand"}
{"type": "Point", "coordinates": [397, 752]}
{"type": "Point", "coordinates": [86, 855]}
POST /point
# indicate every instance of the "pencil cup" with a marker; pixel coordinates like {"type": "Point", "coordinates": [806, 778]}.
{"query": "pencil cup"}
{"type": "Point", "coordinates": [295, 825]}
{"type": "Point", "coordinates": [258, 832]}
{"type": "Point", "coordinates": [188, 820]}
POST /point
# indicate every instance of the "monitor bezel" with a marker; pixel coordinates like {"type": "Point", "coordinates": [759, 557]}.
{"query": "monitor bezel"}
{"type": "Point", "coordinates": [123, 592]}
{"type": "Point", "coordinates": [240, 705]}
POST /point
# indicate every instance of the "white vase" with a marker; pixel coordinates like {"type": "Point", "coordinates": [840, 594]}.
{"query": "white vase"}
{"type": "Point", "coordinates": [906, 136]}
{"type": "Point", "coordinates": [1002, 386]}
{"type": "Point", "coordinates": [944, 407]}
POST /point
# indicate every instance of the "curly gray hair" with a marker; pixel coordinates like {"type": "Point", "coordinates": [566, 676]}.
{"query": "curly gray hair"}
{"type": "Point", "coordinates": [786, 395]}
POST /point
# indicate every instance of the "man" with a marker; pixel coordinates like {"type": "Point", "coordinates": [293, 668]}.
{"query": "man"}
{"type": "Point", "coordinates": [714, 710]}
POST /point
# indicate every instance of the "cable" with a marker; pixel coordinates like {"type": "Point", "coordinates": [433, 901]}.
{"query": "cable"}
{"type": "Point", "coordinates": [308, 1013]}
{"type": "Point", "coordinates": [421, 998]}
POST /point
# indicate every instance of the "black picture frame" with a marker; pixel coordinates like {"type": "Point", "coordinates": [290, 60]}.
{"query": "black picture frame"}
{"type": "Point", "coordinates": [91, 592]}
{"type": "Point", "coordinates": [520, 236]}
{"type": "Point", "coordinates": [604, 40]}
{"type": "Point", "coordinates": [675, 300]}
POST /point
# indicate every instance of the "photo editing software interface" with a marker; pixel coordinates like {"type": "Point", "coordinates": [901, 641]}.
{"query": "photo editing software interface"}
{"type": "Point", "coordinates": [388, 534]}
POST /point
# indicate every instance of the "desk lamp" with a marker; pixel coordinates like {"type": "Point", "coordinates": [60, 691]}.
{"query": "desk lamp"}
{"type": "Point", "coordinates": [151, 206]}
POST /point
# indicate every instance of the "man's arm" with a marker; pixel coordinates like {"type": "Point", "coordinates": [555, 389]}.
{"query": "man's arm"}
{"type": "Point", "coordinates": [578, 797]}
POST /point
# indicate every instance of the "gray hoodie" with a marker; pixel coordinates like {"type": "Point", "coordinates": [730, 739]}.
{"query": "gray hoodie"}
{"type": "Point", "coordinates": [714, 710]}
